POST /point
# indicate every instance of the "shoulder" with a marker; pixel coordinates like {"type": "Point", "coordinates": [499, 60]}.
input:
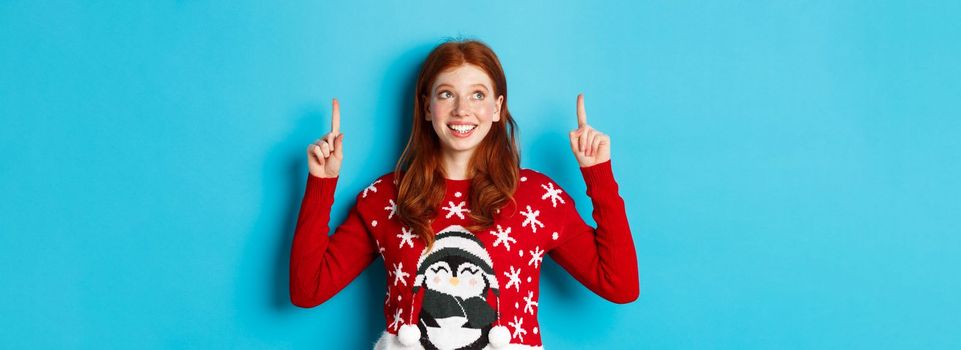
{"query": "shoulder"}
{"type": "Point", "coordinates": [533, 177]}
{"type": "Point", "coordinates": [533, 182]}
{"type": "Point", "coordinates": [380, 188]}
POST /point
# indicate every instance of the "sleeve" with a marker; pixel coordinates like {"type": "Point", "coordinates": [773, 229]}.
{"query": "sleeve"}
{"type": "Point", "coordinates": [322, 265]}
{"type": "Point", "coordinates": [603, 259]}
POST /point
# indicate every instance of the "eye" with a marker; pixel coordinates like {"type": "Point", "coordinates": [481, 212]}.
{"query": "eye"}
{"type": "Point", "coordinates": [445, 94]}
{"type": "Point", "coordinates": [478, 95]}
{"type": "Point", "coordinates": [472, 271]}
{"type": "Point", "coordinates": [440, 268]}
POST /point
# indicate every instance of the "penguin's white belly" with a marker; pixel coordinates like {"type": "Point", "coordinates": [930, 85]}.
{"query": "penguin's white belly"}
{"type": "Point", "coordinates": [450, 334]}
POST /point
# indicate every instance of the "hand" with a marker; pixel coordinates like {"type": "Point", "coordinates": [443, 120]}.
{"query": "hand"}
{"type": "Point", "coordinates": [325, 155]}
{"type": "Point", "coordinates": [589, 145]}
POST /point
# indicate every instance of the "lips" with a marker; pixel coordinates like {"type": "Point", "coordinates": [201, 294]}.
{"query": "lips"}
{"type": "Point", "coordinates": [461, 130]}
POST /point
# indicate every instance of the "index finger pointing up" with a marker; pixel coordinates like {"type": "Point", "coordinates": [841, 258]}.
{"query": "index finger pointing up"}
{"type": "Point", "coordinates": [581, 113]}
{"type": "Point", "coordinates": [335, 118]}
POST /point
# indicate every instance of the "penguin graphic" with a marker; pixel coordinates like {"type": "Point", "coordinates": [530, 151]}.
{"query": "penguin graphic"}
{"type": "Point", "coordinates": [456, 275]}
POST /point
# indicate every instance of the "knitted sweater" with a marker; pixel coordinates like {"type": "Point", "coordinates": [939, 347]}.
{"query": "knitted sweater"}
{"type": "Point", "coordinates": [470, 281]}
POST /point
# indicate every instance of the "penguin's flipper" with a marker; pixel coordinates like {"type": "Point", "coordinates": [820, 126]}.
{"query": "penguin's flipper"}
{"type": "Point", "coordinates": [479, 312]}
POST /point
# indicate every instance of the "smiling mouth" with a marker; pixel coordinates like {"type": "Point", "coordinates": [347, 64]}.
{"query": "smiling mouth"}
{"type": "Point", "coordinates": [462, 129]}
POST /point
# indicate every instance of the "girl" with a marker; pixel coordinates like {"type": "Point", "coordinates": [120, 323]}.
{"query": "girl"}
{"type": "Point", "coordinates": [462, 229]}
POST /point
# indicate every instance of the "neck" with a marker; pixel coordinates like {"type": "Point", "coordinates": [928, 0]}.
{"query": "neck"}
{"type": "Point", "coordinates": [455, 164]}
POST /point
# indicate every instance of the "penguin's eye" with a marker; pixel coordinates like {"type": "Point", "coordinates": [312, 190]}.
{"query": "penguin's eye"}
{"type": "Point", "coordinates": [440, 268]}
{"type": "Point", "coordinates": [472, 271]}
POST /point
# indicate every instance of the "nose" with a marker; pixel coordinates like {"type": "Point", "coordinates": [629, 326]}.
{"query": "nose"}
{"type": "Point", "coordinates": [454, 281]}
{"type": "Point", "coordinates": [461, 109]}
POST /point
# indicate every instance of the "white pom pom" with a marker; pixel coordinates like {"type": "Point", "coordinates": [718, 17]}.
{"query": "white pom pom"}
{"type": "Point", "coordinates": [499, 336]}
{"type": "Point", "coordinates": [409, 334]}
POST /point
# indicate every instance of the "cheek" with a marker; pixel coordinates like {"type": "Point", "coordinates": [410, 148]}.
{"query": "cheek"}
{"type": "Point", "coordinates": [436, 279]}
{"type": "Point", "coordinates": [486, 110]}
{"type": "Point", "coordinates": [473, 282]}
{"type": "Point", "coordinates": [439, 108]}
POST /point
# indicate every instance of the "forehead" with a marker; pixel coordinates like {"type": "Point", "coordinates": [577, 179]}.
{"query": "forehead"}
{"type": "Point", "coordinates": [463, 76]}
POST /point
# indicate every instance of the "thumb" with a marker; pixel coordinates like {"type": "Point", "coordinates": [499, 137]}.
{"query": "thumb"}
{"type": "Point", "coordinates": [574, 141]}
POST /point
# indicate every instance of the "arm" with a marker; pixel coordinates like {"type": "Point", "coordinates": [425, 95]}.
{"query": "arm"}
{"type": "Point", "coordinates": [320, 266]}
{"type": "Point", "coordinates": [603, 260]}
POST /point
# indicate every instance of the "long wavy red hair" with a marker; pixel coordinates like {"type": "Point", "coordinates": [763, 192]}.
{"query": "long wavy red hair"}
{"type": "Point", "coordinates": [493, 168]}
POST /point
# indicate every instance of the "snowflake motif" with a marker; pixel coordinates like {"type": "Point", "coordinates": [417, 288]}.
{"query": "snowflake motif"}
{"type": "Point", "coordinates": [537, 255]}
{"type": "Point", "coordinates": [406, 237]}
{"type": "Point", "coordinates": [371, 188]}
{"type": "Point", "coordinates": [553, 193]}
{"type": "Point", "coordinates": [455, 209]}
{"type": "Point", "coordinates": [399, 274]}
{"type": "Point", "coordinates": [554, 236]}
{"type": "Point", "coordinates": [392, 208]}
{"type": "Point", "coordinates": [529, 303]}
{"type": "Point", "coordinates": [513, 279]}
{"type": "Point", "coordinates": [397, 320]}
{"type": "Point", "coordinates": [519, 330]}
{"type": "Point", "coordinates": [503, 236]}
{"type": "Point", "coordinates": [532, 219]}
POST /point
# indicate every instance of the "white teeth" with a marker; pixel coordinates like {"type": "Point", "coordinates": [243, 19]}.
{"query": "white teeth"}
{"type": "Point", "coordinates": [462, 128]}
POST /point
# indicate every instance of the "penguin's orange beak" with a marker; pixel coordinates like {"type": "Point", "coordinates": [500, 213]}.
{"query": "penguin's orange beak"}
{"type": "Point", "coordinates": [454, 281]}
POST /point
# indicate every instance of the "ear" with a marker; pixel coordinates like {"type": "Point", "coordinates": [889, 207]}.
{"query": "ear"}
{"type": "Point", "coordinates": [497, 112]}
{"type": "Point", "coordinates": [426, 104]}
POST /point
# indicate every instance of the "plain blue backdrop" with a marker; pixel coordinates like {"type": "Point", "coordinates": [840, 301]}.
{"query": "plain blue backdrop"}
{"type": "Point", "coordinates": [790, 169]}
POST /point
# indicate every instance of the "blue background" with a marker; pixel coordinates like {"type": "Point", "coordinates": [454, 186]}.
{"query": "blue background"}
{"type": "Point", "coordinates": [790, 169]}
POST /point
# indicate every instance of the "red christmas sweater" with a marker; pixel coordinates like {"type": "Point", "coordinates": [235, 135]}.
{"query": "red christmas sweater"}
{"type": "Point", "coordinates": [470, 281]}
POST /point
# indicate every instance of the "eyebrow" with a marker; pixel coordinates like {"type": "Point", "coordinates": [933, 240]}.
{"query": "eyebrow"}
{"type": "Point", "coordinates": [451, 86]}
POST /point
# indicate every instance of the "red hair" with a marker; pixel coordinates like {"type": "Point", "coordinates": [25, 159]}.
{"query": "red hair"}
{"type": "Point", "coordinates": [493, 168]}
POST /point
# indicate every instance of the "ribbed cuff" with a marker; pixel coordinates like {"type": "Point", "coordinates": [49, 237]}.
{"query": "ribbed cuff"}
{"type": "Point", "coordinates": [321, 189]}
{"type": "Point", "coordinates": [599, 176]}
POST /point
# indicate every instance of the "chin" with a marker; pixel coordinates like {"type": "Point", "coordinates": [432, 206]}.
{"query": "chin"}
{"type": "Point", "coordinates": [462, 148]}
{"type": "Point", "coordinates": [462, 145]}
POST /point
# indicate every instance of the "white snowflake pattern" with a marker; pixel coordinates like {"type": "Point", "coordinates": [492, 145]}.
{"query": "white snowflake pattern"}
{"type": "Point", "coordinates": [398, 321]}
{"type": "Point", "coordinates": [531, 219]}
{"type": "Point", "coordinates": [514, 279]}
{"type": "Point", "coordinates": [371, 188]}
{"type": "Point", "coordinates": [406, 237]}
{"type": "Point", "coordinates": [503, 237]}
{"type": "Point", "coordinates": [399, 274]}
{"type": "Point", "coordinates": [529, 303]}
{"type": "Point", "coordinates": [537, 255]}
{"type": "Point", "coordinates": [458, 210]}
{"type": "Point", "coordinates": [519, 330]}
{"type": "Point", "coordinates": [392, 208]}
{"type": "Point", "coordinates": [553, 193]}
